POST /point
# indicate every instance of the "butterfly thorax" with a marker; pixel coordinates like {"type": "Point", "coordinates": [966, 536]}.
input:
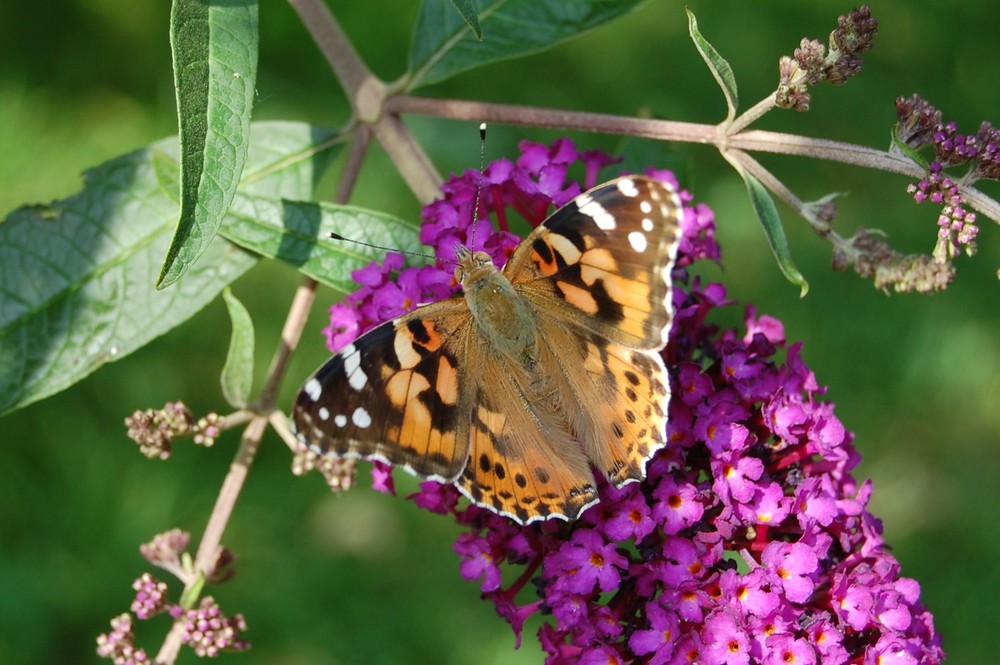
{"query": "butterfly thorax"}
{"type": "Point", "coordinates": [502, 314]}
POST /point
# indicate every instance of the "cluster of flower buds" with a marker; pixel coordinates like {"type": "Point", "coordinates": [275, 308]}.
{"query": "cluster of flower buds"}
{"type": "Point", "coordinates": [920, 126]}
{"type": "Point", "coordinates": [206, 629]}
{"type": "Point", "coordinates": [155, 429]}
{"type": "Point", "coordinates": [812, 62]}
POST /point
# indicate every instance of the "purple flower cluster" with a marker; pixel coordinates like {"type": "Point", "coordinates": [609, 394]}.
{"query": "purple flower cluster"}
{"type": "Point", "coordinates": [150, 597]}
{"type": "Point", "coordinates": [748, 542]}
{"type": "Point", "coordinates": [210, 632]}
{"type": "Point", "coordinates": [921, 125]}
{"type": "Point", "coordinates": [118, 645]}
{"type": "Point", "coordinates": [956, 226]}
{"type": "Point", "coordinates": [205, 629]}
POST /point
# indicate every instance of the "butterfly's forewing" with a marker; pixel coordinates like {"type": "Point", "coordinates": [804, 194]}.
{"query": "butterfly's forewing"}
{"type": "Point", "coordinates": [603, 261]}
{"type": "Point", "coordinates": [394, 395]}
{"type": "Point", "coordinates": [598, 274]}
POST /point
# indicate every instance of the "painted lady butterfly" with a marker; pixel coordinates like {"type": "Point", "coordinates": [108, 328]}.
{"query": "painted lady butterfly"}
{"type": "Point", "coordinates": [541, 373]}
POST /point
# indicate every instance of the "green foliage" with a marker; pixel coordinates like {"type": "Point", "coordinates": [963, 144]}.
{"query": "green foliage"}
{"type": "Point", "coordinates": [79, 273]}
{"type": "Point", "coordinates": [442, 46]}
{"type": "Point", "coordinates": [79, 276]}
{"type": "Point", "coordinates": [237, 373]}
{"type": "Point", "coordinates": [296, 232]}
{"type": "Point", "coordinates": [467, 11]}
{"type": "Point", "coordinates": [215, 73]}
{"type": "Point", "coordinates": [720, 69]}
{"type": "Point", "coordinates": [770, 222]}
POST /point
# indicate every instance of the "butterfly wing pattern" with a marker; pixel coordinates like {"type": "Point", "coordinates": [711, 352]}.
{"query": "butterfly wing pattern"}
{"type": "Point", "coordinates": [538, 375]}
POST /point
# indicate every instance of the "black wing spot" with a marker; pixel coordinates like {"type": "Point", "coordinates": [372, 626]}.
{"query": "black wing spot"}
{"type": "Point", "coordinates": [543, 250]}
{"type": "Point", "coordinates": [608, 309]}
{"type": "Point", "coordinates": [418, 329]}
{"type": "Point", "coordinates": [570, 232]}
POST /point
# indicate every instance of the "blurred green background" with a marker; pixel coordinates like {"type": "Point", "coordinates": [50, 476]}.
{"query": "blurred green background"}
{"type": "Point", "coordinates": [363, 578]}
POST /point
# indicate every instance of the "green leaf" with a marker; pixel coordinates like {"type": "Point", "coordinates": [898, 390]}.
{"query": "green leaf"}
{"type": "Point", "coordinates": [720, 69]}
{"type": "Point", "coordinates": [899, 146]}
{"type": "Point", "coordinates": [214, 48]}
{"type": "Point", "coordinates": [467, 11]}
{"type": "Point", "coordinates": [442, 45]}
{"type": "Point", "coordinates": [237, 373]}
{"type": "Point", "coordinates": [767, 213]}
{"type": "Point", "coordinates": [77, 275]}
{"type": "Point", "coordinates": [296, 233]}
{"type": "Point", "coordinates": [189, 598]}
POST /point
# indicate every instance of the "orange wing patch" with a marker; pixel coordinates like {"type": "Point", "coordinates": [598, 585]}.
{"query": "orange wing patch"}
{"type": "Point", "coordinates": [633, 424]}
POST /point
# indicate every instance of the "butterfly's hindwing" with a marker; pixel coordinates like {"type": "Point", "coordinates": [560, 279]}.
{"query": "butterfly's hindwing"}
{"type": "Point", "coordinates": [617, 400]}
{"type": "Point", "coordinates": [523, 461]}
{"type": "Point", "coordinates": [634, 419]}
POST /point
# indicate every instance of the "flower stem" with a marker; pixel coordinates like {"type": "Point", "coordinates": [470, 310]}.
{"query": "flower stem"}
{"type": "Point", "coordinates": [333, 43]}
{"type": "Point", "coordinates": [752, 114]}
{"type": "Point", "coordinates": [211, 539]}
{"type": "Point", "coordinates": [685, 132]}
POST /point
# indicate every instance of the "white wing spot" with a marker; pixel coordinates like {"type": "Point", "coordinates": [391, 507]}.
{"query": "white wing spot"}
{"type": "Point", "coordinates": [647, 224]}
{"type": "Point", "coordinates": [312, 389]}
{"type": "Point", "coordinates": [637, 240]}
{"type": "Point", "coordinates": [357, 380]}
{"type": "Point", "coordinates": [361, 418]}
{"type": "Point", "coordinates": [340, 420]}
{"type": "Point", "coordinates": [324, 413]}
{"type": "Point", "coordinates": [604, 219]}
{"type": "Point", "coordinates": [627, 187]}
{"type": "Point", "coordinates": [646, 207]}
{"type": "Point", "coordinates": [356, 377]}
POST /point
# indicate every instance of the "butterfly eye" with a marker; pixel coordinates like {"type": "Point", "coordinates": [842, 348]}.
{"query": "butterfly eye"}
{"type": "Point", "coordinates": [482, 259]}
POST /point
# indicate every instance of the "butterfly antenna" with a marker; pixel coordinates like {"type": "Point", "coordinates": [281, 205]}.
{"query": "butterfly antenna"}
{"type": "Point", "coordinates": [479, 186]}
{"type": "Point", "coordinates": [337, 236]}
{"type": "Point", "coordinates": [475, 213]}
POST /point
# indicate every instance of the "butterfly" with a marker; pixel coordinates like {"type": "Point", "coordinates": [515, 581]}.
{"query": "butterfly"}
{"type": "Point", "coordinates": [535, 378]}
